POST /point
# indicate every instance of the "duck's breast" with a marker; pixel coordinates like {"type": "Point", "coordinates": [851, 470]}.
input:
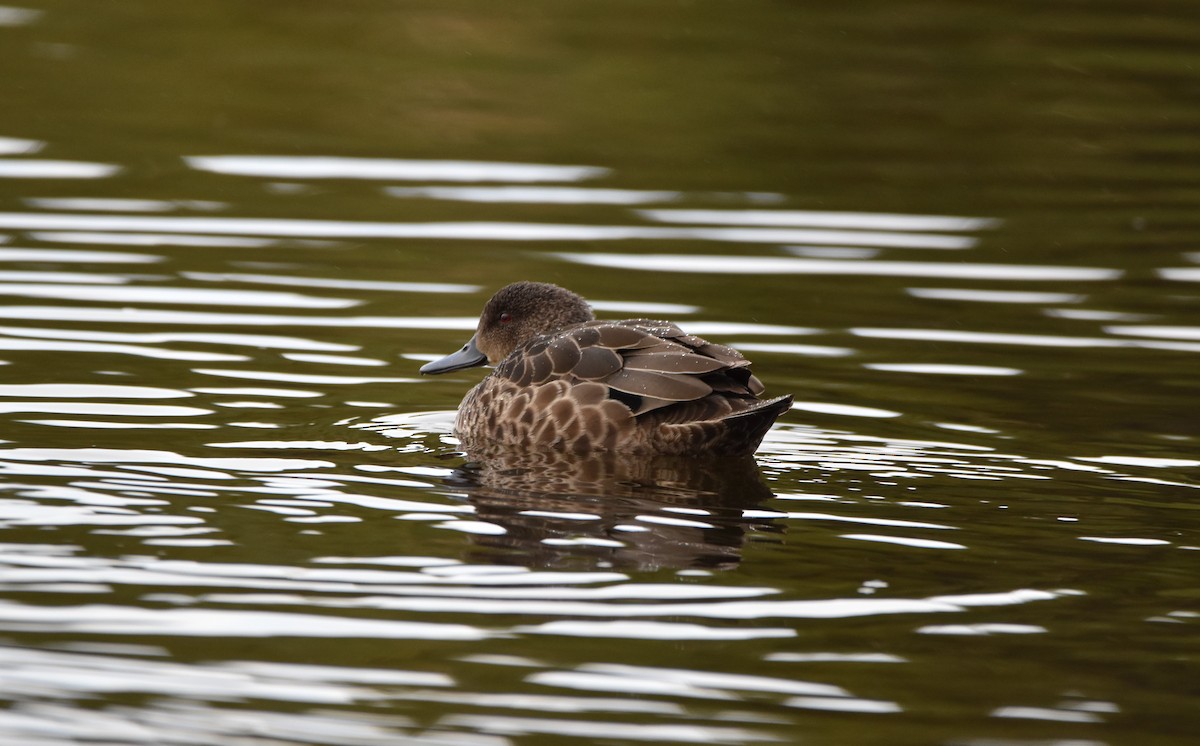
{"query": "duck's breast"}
{"type": "Point", "coordinates": [561, 414]}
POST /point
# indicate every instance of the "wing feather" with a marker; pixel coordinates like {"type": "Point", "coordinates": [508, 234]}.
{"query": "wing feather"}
{"type": "Point", "coordinates": [648, 365]}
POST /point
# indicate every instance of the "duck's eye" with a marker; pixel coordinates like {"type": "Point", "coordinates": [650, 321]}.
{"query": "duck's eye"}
{"type": "Point", "coordinates": [505, 318]}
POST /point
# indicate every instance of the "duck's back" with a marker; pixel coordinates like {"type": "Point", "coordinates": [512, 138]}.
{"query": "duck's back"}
{"type": "Point", "coordinates": [636, 386]}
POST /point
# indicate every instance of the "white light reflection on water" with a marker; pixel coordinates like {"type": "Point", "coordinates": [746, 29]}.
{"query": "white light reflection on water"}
{"type": "Point", "coordinates": [41, 169]}
{"type": "Point", "coordinates": [118, 349]}
{"type": "Point", "coordinates": [818, 219]}
{"type": "Point", "coordinates": [326, 167]}
{"type": "Point", "coordinates": [645, 308]}
{"type": "Point", "coordinates": [151, 239]}
{"type": "Point", "coordinates": [133, 620]}
{"type": "Point", "coordinates": [1191, 333]}
{"type": "Point", "coordinates": [170, 721]}
{"type": "Point", "coordinates": [31, 279]}
{"type": "Point", "coordinates": [906, 541]}
{"type": "Point", "coordinates": [475, 231]}
{"type": "Point", "coordinates": [794, 349]}
{"type": "Point", "coordinates": [384, 598]}
{"type": "Point", "coordinates": [537, 195]}
{"type": "Point", "coordinates": [972, 295]}
{"type": "Point", "coordinates": [88, 391]}
{"type": "Point", "coordinates": [461, 323]}
{"type": "Point", "coordinates": [90, 408]}
{"type": "Point", "coordinates": [103, 425]}
{"type": "Point", "coordinates": [983, 629]}
{"type": "Point", "coordinates": [943, 369]}
{"type": "Point", "coordinates": [333, 359]}
{"type": "Point", "coordinates": [217, 319]}
{"type": "Point", "coordinates": [101, 204]}
{"type": "Point", "coordinates": [67, 256]}
{"type": "Point", "coordinates": [586, 729]}
{"type": "Point", "coordinates": [1000, 338]}
{"type": "Point", "coordinates": [1180, 274]}
{"type": "Point", "coordinates": [67, 674]}
{"type": "Point", "coordinates": [332, 282]}
{"type": "Point", "coordinates": [146, 456]}
{"type": "Point", "coordinates": [14, 145]}
{"type": "Point", "coordinates": [265, 375]}
{"type": "Point", "coordinates": [174, 295]}
{"type": "Point", "coordinates": [845, 410]}
{"type": "Point", "coordinates": [265, 341]}
{"type": "Point", "coordinates": [758, 265]}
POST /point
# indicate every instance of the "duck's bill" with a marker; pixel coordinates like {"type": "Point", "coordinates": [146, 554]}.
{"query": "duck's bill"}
{"type": "Point", "coordinates": [468, 357]}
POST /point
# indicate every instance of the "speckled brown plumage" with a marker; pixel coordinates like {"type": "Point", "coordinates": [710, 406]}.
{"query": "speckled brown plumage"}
{"type": "Point", "coordinates": [566, 382]}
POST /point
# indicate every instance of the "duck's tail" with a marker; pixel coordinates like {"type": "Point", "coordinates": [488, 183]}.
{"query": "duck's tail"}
{"type": "Point", "coordinates": [743, 431]}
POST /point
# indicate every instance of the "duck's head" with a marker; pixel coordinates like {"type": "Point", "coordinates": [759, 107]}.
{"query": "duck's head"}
{"type": "Point", "coordinates": [515, 314]}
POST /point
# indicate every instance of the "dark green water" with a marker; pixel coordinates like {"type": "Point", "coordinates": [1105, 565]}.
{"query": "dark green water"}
{"type": "Point", "coordinates": [964, 235]}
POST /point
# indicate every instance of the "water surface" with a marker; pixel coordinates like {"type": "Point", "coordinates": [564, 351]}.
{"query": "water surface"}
{"type": "Point", "coordinates": [962, 236]}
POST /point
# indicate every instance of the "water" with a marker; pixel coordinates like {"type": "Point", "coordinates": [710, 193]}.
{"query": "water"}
{"type": "Point", "coordinates": [962, 235]}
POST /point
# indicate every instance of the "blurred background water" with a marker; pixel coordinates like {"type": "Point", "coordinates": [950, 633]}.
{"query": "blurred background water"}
{"type": "Point", "coordinates": [964, 235]}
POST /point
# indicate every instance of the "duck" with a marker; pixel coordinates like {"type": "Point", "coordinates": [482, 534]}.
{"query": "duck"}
{"type": "Point", "coordinates": [563, 380]}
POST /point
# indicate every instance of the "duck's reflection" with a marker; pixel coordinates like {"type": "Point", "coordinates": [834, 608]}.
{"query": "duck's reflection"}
{"type": "Point", "coordinates": [605, 510]}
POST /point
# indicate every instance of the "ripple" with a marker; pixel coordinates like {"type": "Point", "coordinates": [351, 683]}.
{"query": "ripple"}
{"type": "Point", "coordinates": [1180, 274]}
{"type": "Point", "coordinates": [29, 279]}
{"type": "Point", "coordinates": [13, 515]}
{"type": "Point", "coordinates": [1160, 332]}
{"type": "Point", "coordinates": [39, 169]}
{"type": "Point", "coordinates": [543, 703]}
{"type": "Point", "coordinates": [833, 252]}
{"type": "Point", "coordinates": [786, 657]}
{"type": "Point", "coordinates": [92, 408]}
{"type": "Point", "coordinates": [714, 680]}
{"type": "Point", "coordinates": [263, 341]}
{"type": "Point", "coordinates": [982, 630]}
{"type": "Point", "coordinates": [849, 704]}
{"type": "Point", "coordinates": [174, 295]}
{"type": "Point", "coordinates": [537, 195]}
{"type": "Point", "coordinates": [642, 307]}
{"type": "Point", "coordinates": [944, 369]}
{"type": "Point", "coordinates": [130, 620]}
{"type": "Point", "coordinates": [955, 335]}
{"type": "Point", "coordinates": [101, 204]}
{"type": "Point", "coordinates": [867, 521]}
{"type": "Point", "coordinates": [88, 391]}
{"type": "Point", "coordinates": [333, 359]}
{"type": "Point", "coordinates": [68, 256]}
{"type": "Point", "coordinates": [168, 721]}
{"type": "Point", "coordinates": [485, 231]}
{"type": "Point", "coordinates": [117, 349]}
{"type": "Point", "coordinates": [1149, 461]}
{"type": "Point", "coordinates": [845, 410]}
{"type": "Point", "coordinates": [764, 265]}
{"type": "Point", "coordinates": [1126, 541]}
{"type": "Point", "coordinates": [145, 456]}
{"type": "Point", "coordinates": [151, 239]}
{"type": "Point", "coordinates": [811, 218]}
{"type": "Point", "coordinates": [907, 541]}
{"type": "Point", "coordinates": [14, 145]}
{"type": "Point", "coordinates": [588, 729]}
{"type": "Point", "coordinates": [834, 608]}
{"type": "Point", "coordinates": [329, 282]}
{"type": "Point", "coordinates": [794, 349]}
{"type": "Point", "coordinates": [327, 167]}
{"type": "Point", "coordinates": [271, 392]}
{"type": "Point", "coordinates": [217, 319]}
{"type": "Point", "coordinates": [264, 375]}
{"type": "Point", "coordinates": [724, 328]}
{"type": "Point", "coordinates": [972, 295]}
{"type": "Point", "coordinates": [1046, 713]}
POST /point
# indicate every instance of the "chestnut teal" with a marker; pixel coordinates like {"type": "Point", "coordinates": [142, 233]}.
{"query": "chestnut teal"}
{"type": "Point", "coordinates": [565, 381]}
